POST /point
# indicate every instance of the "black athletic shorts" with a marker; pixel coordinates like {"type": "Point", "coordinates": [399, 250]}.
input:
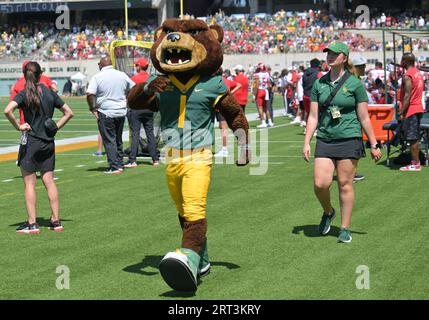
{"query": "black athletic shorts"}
{"type": "Point", "coordinates": [37, 155]}
{"type": "Point", "coordinates": [339, 149]}
{"type": "Point", "coordinates": [411, 127]}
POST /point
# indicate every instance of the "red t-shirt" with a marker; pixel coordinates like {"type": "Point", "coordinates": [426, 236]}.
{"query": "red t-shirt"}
{"type": "Point", "coordinates": [416, 104]}
{"type": "Point", "coordinates": [20, 85]}
{"type": "Point", "coordinates": [140, 77]}
{"type": "Point", "coordinates": [229, 83]}
{"type": "Point", "coordinates": [242, 94]}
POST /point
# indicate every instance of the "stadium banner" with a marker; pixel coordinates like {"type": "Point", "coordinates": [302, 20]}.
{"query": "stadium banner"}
{"type": "Point", "coordinates": [14, 7]}
{"type": "Point", "coordinates": [51, 68]}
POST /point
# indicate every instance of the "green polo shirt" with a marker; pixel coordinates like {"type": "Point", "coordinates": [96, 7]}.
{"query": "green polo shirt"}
{"type": "Point", "coordinates": [187, 111]}
{"type": "Point", "coordinates": [346, 101]}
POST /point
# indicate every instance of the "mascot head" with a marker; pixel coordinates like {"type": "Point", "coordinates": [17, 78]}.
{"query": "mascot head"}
{"type": "Point", "coordinates": [187, 46]}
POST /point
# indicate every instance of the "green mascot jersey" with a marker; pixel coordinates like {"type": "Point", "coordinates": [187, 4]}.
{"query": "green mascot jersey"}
{"type": "Point", "coordinates": [187, 111]}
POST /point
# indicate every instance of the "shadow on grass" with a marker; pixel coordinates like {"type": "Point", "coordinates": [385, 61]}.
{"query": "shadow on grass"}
{"type": "Point", "coordinates": [43, 222]}
{"type": "Point", "coordinates": [178, 294]}
{"type": "Point", "coordinates": [312, 231]}
{"type": "Point", "coordinates": [148, 261]}
{"type": "Point", "coordinates": [99, 169]}
{"type": "Point", "coordinates": [153, 262]}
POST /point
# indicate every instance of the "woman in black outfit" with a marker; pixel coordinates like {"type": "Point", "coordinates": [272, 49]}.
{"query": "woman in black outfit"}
{"type": "Point", "coordinates": [37, 153]}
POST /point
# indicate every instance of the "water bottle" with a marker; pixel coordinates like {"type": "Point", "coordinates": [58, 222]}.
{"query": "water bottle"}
{"type": "Point", "coordinates": [24, 135]}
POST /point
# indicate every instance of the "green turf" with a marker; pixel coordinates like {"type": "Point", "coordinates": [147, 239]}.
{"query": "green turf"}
{"type": "Point", "coordinates": [262, 232]}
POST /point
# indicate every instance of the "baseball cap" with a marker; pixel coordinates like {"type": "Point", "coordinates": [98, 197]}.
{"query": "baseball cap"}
{"type": "Point", "coordinates": [358, 60]}
{"type": "Point", "coordinates": [338, 47]}
{"type": "Point", "coordinates": [142, 62]}
{"type": "Point", "coordinates": [238, 67]}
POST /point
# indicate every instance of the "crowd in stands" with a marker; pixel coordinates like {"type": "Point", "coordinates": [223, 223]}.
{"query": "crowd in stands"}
{"type": "Point", "coordinates": [18, 41]}
{"type": "Point", "coordinates": [93, 40]}
{"type": "Point", "coordinates": [282, 32]}
{"type": "Point", "coordinates": [305, 32]}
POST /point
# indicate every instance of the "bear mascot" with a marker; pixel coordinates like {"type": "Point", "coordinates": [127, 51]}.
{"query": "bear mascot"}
{"type": "Point", "coordinates": [187, 54]}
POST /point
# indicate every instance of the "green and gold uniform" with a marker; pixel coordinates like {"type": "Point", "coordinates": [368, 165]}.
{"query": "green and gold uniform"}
{"type": "Point", "coordinates": [187, 111]}
{"type": "Point", "coordinates": [187, 124]}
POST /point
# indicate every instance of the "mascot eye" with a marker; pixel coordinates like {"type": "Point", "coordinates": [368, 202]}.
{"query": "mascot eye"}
{"type": "Point", "coordinates": [194, 32]}
{"type": "Point", "coordinates": [167, 31]}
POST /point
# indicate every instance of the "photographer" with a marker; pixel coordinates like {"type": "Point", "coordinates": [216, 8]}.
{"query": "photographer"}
{"type": "Point", "coordinates": [37, 150]}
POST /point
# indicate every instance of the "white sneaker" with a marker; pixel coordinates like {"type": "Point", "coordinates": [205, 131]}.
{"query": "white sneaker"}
{"type": "Point", "coordinates": [131, 165]}
{"type": "Point", "coordinates": [303, 124]}
{"type": "Point", "coordinates": [221, 154]}
{"type": "Point", "coordinates": [262, 125]}
{"type": "Point", "coordinates": [270, 124]}
{"type": "Point", "coordinates": [296, 121]}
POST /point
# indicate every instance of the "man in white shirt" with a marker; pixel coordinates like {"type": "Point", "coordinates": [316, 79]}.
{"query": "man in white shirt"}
{"type": "Point", "coordinates": [421, 22]}
{"type": "Point", "coordinates": [378, 73]}
{"type": "Point", "coordinates": [107, 101]}
{"type": "Point", "coordinates": [383, 20]}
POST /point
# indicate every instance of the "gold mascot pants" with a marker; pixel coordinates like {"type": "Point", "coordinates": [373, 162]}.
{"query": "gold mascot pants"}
{"type": "Point", "coordinates": [188, 178]}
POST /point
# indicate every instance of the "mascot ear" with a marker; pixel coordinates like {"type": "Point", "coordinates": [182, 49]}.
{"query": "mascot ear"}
{"type": "Point", "coordinates": [157, 33]}
{"type": "Point", "coordinates": [217, 31]}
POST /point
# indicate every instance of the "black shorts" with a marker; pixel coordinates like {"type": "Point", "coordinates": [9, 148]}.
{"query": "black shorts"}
{"type": "Point", "coordinates": [411, 127]}
{"type": "Point", "coordinates": [219, 117]}
{"type": "Point", "coordinates": [301, 105]}
{"type": "Point", "coordinates": [340, 149]}
{"type": "Point", "coordinates": [37, 155]}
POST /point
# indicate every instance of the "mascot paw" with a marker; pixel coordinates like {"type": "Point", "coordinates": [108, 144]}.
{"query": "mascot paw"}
{"type": "Point", "coordinates": [158, 85]}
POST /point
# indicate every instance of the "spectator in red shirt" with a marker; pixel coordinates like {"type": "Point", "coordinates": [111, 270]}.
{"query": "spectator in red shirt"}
{"type": "Point", "coordinates": [242, 93]}
{"type": "Point", "coordinates": [19, 85]}
{"type": "Point", "coordinates": [141, 66]}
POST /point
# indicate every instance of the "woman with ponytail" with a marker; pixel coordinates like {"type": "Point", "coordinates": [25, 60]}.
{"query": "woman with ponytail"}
{"type": "Point", "coordinates": [37, 150]}
{"type": "Point", "coordinates": [339, 112]}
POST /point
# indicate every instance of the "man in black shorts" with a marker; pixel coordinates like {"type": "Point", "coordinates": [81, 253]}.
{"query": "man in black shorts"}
{"type": "Point", "coordinates": [412, 108]}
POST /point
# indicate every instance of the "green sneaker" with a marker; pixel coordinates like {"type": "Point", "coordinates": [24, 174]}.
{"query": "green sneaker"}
{"type": "Point", "coordinates": [180, 268]}
{"type": "Point", "coordinates": [204, 267]}
{"type": "Point", "coordinates": [345, 235]}
{"type": "Point", "coordinates": [325, 223]}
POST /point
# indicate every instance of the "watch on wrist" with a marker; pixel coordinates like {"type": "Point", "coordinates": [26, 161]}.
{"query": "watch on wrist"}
{"type": "Point", "coordinates": [374, 146]}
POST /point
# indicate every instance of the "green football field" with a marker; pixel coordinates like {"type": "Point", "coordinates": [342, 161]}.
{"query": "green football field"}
{"type": "Point", "coordinates": [263, 239]}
